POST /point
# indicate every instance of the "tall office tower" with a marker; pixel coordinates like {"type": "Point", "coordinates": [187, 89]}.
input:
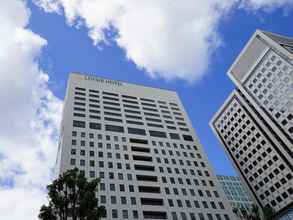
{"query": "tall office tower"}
{"type": "Point", "coordinates": [255, 124]}
{"type": "Point", "coordinates": [237, 194]}
{"type": "Point", "coordinates": [140, 141]}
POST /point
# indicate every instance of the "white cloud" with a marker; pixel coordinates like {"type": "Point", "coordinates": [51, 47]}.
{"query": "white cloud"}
{"type": "Point", "coordinates": [29, 116]}
{"type": "Point", "coordinates": [264, 4]}
{"type": "Point", "coordinates": [165, 38]}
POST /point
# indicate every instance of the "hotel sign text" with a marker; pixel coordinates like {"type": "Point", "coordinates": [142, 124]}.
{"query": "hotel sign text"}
{"type": "Point", "coordinates": [106, 81]}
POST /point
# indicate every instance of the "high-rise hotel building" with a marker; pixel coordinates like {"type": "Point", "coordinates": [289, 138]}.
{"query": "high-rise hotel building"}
{"type": "Point", "coordinates": [140, 142]}
{"type": "Point", "coordinates": [255, 124]}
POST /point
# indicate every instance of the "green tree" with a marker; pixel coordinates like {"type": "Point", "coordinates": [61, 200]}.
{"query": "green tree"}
{"type": "Point", "coordinates": [72, 195]}
{"type": "Point", "coordinates": [241, 213]}
{"type": "Point", "coordinates": [254, 213]}
{"type": "Point", "coordinates": [268, 213]}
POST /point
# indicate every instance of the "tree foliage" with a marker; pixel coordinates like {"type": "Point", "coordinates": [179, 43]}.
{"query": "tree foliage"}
{"type": "Point", "coordinates": [254, 213]}
{"type": "Point", "coordinates": [72, 195]}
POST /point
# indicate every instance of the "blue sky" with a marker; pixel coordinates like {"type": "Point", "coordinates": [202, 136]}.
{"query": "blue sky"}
{"type": "Point", "coordinates": [183, 47]}
{"type": "Point", "coordinates": [71, 50]}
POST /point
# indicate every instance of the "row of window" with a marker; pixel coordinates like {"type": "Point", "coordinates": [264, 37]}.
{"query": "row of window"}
{"type": "Point", "coordinates": [176, 170]}
{"type": "Point", "coordinates": [172, 161]}
{"type": "Point", "coordinates": [136, 131]}
{"type": "Point", "coordinates": [125, 214]}
{"type": "Point", "coordinates": [170, 153]}
{"type": "Point", "coordinates": [113, 200]}
{"type": "Point", "coordinates": [130, 99]}
{"type": "Point", "coordinates": [123, 139]}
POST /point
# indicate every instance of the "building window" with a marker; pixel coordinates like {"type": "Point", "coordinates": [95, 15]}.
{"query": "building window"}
{"type": "Point", "coordinates": [114, 213]}
{"type": "Point", "coordinates": [157, 134]}
{"type": "Point", "coordinates": [174, 136]}
{"type": "Point", "coordinates": [114, 128]}
{"type": "Point", "coordinates": [125, 214]}
{"type": "Point", "coordinates": [95, 126]}
{"type": "Point", "coordinates": [137, 131]}
{"type": "Point", "coordinates": [79, 124]}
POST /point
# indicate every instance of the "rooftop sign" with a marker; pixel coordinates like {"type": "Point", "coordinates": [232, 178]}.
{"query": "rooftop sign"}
{"type": "Point", "coordinates": [101, 80]}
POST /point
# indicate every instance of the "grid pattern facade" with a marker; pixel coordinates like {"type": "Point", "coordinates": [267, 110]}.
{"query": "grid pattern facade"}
{"type": "Point", "coordinates": [261, 149]}
{"type": "Point", "coordinates": [139, 140]}
{"type": "Point", "coordinates": [255, 155]}
{"type": "Point", "coordinates": [237, 194]}
{"type": "Point", "coordinates": [270, 84]}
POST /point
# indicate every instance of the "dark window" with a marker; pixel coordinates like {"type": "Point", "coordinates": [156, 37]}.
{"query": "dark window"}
{"type": "Point", "coordinates": [111, 103]}
{"type": "Point", "coordinates": [187, 137]}
{"type": "Point", "coordinates": [149, 189]}
{"type": "Point", "coordinates": [79, 88]}
{"type": "Point", "coordinates": [149, 109]}
{"type": "Point", "coordinates": [151, 114]}
{"type": "Point", "coordinates": [94, 100]}
{"type": "Point", "coordinates": [157, 134]}
{"type": "Point", "coordinates": [142, 158]}
{"type": "Point", "coordinates": [96, 126]}
{"type": "Point", "coordinates": [113, 119]}
{"type": "Point", "coordinates": [110, 98]}
{"type": "Point", "coordinates": [147, 178]}
{"type": "Point", "coordinates": [94, 91]}
{"type": "Point", "coordinates": [79, 124]}
{"type": "Point", "coordinates": [112, 108]}
{"type": "Point", "coordinates": [131, 106]}
{"type": "Point", "coordinates": [93, 95]}
{"type": "Point", "coordinates": [94, 111]}
{"type": "Point", "coordinates": [79, 103]}
{"type": "Point", "coordinates": [154, 125]}
{"type": "Point", "coordinates": [110, 93]}
{"type": "Point", "coordinates": [134, 122]}
{"type": "Point", "coordinates": [130, 101]}
{"type": "Point", "coordinates": [153, 119]}
{"type": "Point", "coordinates": [94, 106]}
{"type": "Point", "coordinates": [136, 131]}
{"type": "Point", "coordinates": [78, 115]}
{"type": "Point", "coordinates": [138, 141]}
{"type": "Point", "coordinates": [154, 215]}
{"type": "Point", "coordinates": [151, 201]}
{"type": "Point", "coordinates": [114, 128]}
{"type": "Point", "coordinates": [144, 167]}
{"type": "Point", "coordinates": [140, 149]}
{"type": "Point", "coordinates": [95, 117]}
{"type": "Point", "coordinates": [79, 98]}
{"type": "Point", "coordinates": [131, 111]}
{"type": "Point", "coordinates": [80, 93]}
{"type": "Point", "coordinates": [147, 100]}
{"type": "Point", "coordinates": [112, 114]}
{"type": "Point", "coordinates": [133, 116]}
{"type": "Point", "coordinates": [79, 109]}
{"type": "Point", "coordinates": [129, 97]}
{"type": "Point", "coordinates": [148, 104]}
{"type": "Point", "coordinates": [174, 136]}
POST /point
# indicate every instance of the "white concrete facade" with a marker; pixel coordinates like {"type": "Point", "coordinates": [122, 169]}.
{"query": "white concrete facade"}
{"type": "Point", "coordinates": [263, 75]}
{"type": "Point", "coordinates": [141, 143]}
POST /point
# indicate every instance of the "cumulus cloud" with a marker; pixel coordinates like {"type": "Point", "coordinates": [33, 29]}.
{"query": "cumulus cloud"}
{"type": "Point", "coordinates": [30, 115]}
{"type": "Point", "coordinates": [165, 38]}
